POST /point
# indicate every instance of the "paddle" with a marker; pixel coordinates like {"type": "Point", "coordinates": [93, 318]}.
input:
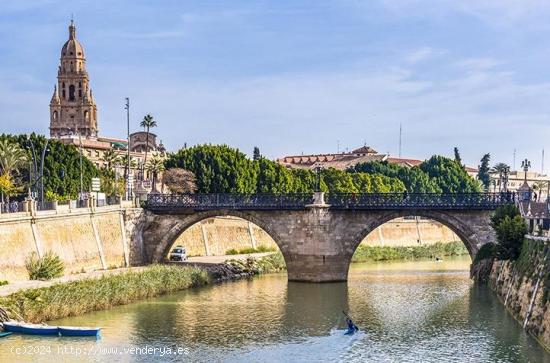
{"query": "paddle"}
{"type": "Point", "coordinates": [349, 317]}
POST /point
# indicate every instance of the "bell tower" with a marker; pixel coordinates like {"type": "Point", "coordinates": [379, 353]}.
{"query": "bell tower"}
{"type": "Point", "coordinates": [72, 107]}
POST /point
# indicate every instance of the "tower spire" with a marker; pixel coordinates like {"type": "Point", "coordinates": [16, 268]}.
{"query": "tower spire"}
{"type": "Point", "coordinates": [72, 29]}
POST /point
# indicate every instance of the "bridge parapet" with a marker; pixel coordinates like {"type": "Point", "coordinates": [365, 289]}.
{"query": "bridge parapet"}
{"type": "Point", "coordinates": [336, 201]}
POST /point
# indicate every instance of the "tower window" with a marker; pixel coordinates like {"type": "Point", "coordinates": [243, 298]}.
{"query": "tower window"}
{"type": "Point", "coordinates": [63, 85]}
{"type": "Point", "coordinates": [55, 115]}
{"type": "Point", "coordinates": [79, 93]}
{"type": "Point", "coordinates": [79, 84]}
{"type": "Point", "coordinates": [71, 93]}
{"type": "Point", "coordinates": [71, 53]}
{"type": "Point", "coordinates": [63, 93]}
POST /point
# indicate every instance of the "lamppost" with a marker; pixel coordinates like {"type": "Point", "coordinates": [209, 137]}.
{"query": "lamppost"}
{"type": "Point", "coordinates": [504, 176]}
{"type": "Point", "coordinates": [40, 177]}
{"type": "Point", "coordinates": [318, 167]}
{"type": "Point", "coordinates": [128, 185]}
{"type": "Point", "coordinates": [526, 165]}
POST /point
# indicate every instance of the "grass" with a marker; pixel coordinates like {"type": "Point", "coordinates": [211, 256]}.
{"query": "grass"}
{"type": "Point", "coordinates": [534, 253]}
{"type": "Point", "coordinates": [366, 253]}
{"type": "Point", "coordinates": [79, 297]}
{"type": "Point", "coordinates": [249, 250]}
{"type": "Point", "coordinates": [263, 265]}
{"type": "Point", "coordinates": [46, 267]}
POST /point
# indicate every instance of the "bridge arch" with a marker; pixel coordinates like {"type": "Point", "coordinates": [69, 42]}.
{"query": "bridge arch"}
{"type": "Point", "coordinates": [181, 223]}
{"type": "Point", "coordinates": [467, 232]}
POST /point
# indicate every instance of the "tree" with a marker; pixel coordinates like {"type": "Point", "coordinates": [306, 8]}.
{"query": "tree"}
{"type": "Point", "coordinates": [273, 177]}
{"type": "Point", "coordinates": [147, 124]}
{"type": "Point", "coordinates": [110, 159]}
{"type": "Point", "coordinates": [7, 187]}
{"type": "Point", "coordinates": [179, 180]}
{"type": "Point", "coordinates": [449, 176]}
{"type": "Point", "coordinates": [510, 229]}
{"type": "Point", "coordinates": [510, 235]}
{"type": "Point", "coordinates": [256, 154]}
{"type": "Point", "coordinates": [458, 159]}
{"type": "Point", "coordinates": [155, 166]}
{"type": "Point", "coordinates": [483, 171]}
{"type": "Point", "coordinates": [122, 161]}
{"type": "Point", "coordinates": [12, 157]}
{"type": "Point", "coordinates": [218, 168]}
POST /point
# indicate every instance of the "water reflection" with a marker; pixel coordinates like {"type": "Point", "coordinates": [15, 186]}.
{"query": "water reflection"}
{"type": "Point", "coordinates": [422, 311]}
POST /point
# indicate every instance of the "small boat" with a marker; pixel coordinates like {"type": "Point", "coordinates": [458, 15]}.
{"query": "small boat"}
{"type": "Point", "coordinates": [76, 331]}
{"type": "Point", "coordinates": [27, 328]}
{"type": "Point", "coordinates": [349, 331]}
{"type": "Point", "coordinates": [5, 334]}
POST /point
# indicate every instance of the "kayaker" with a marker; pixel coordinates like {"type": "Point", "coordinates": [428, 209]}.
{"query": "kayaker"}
{"type": "Point", "coordinates": [351, 325]}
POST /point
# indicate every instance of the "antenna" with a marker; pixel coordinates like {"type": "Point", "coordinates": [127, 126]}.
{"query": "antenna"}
{"type": "Point", "coordinates": [542, 163]}
{"type": "Point", "coordinates": [400, 139]}
{"type": "Point", "coordinates": [338, 146]}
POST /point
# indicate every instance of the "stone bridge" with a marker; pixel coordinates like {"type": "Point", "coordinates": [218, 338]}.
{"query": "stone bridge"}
{"type": "Point", "coordinates": [316, 239]}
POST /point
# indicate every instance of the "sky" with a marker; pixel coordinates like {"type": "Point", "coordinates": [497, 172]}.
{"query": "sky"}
{"type": "Point", "coordinates": [295, 77]}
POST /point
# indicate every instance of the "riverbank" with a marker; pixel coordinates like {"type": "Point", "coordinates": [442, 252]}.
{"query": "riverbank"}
{"type": "Point", "coordinates": [75, 298]}
{"type": "Point", "coordinates": [523, 287]}
{"type": "Point", "coordinates": [365, 253]}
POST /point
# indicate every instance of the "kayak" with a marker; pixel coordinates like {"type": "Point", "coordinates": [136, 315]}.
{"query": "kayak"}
{"type": "Point", "coordinates": [5, 334]}
{"type": "Point", "coordinates": [75, 331]}
{"type": "Point", "coordinates": [32, 329]}
{"type": "Point", "coordinates": [349, 331]}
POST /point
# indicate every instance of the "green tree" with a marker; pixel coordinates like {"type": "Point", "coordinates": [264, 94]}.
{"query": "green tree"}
{"type": "Point", "coordinates": [155, 166]}
{"type": "Point", "coordinates": [256, 154]}
{"type": "Point", "coordinates": [110, 159]}
{"type": "Point", "coordinates": [147, 123]}
{"type": "Point", "coordinates": [510, 234]}
{"type": "Point", "coordinates": [449, 176]}
{"type": "Point", "coordinates": [458, 159]}
{"type": "Point", "coordinates": [273, 178]}
{"type": "Point", "coordinates": [217, 168]}
{"type": "Point", "coordinates": [483, 171]}
{"type": "Point", "coordinates": [12, 157]}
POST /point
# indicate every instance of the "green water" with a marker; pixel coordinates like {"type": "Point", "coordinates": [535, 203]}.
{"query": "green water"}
{"type": "Point", "coordinates": [407, 311]}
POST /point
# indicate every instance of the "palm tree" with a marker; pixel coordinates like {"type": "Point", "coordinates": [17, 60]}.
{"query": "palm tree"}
{"type": "Point", "coordinates": [147, 123]}
{"type": "Point", "coordinates": [110, 159]}
{"type": "Point", "coordinates": [122, 161]}
{"type": "Point", "coordinates": [155, 166]}
{"type": "Point", "coordinates": [12, 157]}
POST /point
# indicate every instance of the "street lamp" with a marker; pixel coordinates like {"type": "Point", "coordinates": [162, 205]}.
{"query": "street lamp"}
{"type": "Point", "coordinates": [318, 167]}
{"type": "Point", "coordinates": [525, 164]}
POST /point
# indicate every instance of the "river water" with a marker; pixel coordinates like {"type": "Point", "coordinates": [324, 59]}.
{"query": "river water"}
{"type": "Point", "coordinates": [422, 311]}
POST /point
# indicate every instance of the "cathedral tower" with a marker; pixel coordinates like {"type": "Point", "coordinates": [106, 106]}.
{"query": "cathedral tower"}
{"type": "Point", "coordinates": [72, 108]}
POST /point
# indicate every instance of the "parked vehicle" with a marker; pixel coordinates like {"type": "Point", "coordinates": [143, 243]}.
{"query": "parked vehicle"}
{"type": "Point", "coordinates": [178, 254]}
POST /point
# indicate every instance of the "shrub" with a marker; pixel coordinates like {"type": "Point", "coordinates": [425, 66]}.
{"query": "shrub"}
{"type": "Point", "coordinates": [503, 211]}
{"type": "Point", "coordinates": [486, 251]}
{"type": "Point", "coordinates": [46, 267]}
{"type": "Point", "coordinates": [3, 282]}
{"type": "Point", "coordinates": [232, 252]}
{"type": "Point", "coordinates": [510, 234]}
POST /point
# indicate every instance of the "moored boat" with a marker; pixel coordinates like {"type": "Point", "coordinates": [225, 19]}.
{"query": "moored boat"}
{"type": "Point", "coordinates": [5, 334]}
{"type": "Point", "coordinates": [27, 328]}
{"type": "Point", "coordinates": [76, 331]}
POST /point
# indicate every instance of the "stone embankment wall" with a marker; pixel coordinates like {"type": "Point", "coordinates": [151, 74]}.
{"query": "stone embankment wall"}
{"type": "Point", "coordinates": [523, 288]}
{"type": "Point", "coordinates": [84, 239]}
{"type": "Point", "coordinates": [214, 236]}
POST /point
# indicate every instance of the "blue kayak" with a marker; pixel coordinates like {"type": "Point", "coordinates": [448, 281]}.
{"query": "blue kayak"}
{"type": "Point", "coordinates": [32, 329]}
{"type": "Point", "coordinates": [350, 331]}
{"type": "Point", "coordinates": [74, 331]}
{"type": "Point", "coordinates": [5, 334]}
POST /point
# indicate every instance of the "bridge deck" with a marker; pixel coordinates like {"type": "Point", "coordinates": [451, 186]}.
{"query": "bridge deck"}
{"type": "Point", "coordinates": [335, 201]}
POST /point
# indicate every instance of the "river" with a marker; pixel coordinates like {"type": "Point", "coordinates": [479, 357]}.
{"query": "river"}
{"type": "Point", "coordinates": [421, 311]}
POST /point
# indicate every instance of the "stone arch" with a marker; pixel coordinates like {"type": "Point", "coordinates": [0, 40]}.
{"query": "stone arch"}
{"type": "Point", "coordinates": [165, 237]}
{"type": "Point", "coordinates": [465, 231]}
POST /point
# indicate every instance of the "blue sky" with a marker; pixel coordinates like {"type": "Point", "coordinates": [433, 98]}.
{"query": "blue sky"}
{"type": "Point", "coordinates": [296, 76]}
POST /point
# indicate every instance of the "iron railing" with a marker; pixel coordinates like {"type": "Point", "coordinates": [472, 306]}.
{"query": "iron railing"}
{"type": "Point", "coordinates": [452, 201]}
{"type": "Point", "coordinates": [350, 201]}
{"type": "Point", "coordinates": [227, 201]}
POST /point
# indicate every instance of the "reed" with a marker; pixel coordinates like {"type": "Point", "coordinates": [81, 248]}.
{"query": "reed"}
{"type": "Point", "coordinates": [383, 253]}
{"type": "Point", "coordinates": [79, 297]}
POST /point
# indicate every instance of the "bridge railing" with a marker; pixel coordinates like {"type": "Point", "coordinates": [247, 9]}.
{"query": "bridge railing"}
{"type": "Point", "coordinates": [228, 201]}
{"type": "Point", "coordinates": [419, 200]}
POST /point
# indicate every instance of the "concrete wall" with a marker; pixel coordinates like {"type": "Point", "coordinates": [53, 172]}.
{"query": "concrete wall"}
{"type": "Point", "coordinates": [85, 240]}
{"type": "Point", "coordinates": [214, 236]}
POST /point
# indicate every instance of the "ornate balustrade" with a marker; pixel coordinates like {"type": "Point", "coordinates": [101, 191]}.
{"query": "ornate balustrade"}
{"type": "Point", "coordinates": [351, 201]}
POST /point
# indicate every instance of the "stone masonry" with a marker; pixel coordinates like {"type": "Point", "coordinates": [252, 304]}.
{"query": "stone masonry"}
{"type": "Point", "coordinates": [317, 243]}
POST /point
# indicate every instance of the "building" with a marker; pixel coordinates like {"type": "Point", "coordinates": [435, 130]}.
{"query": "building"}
{"type": "Point", "coordinates": [539, 183]}
{"type": "Point", "coordinates": [344, 160]}
{"type": "Point", "coordinates": [74, 117]}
